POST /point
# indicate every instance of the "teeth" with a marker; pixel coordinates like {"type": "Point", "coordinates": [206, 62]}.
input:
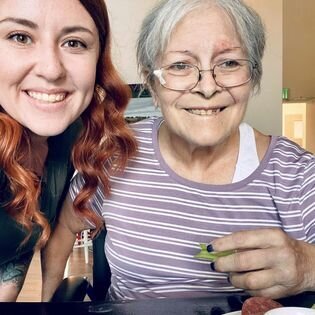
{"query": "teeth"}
{"type": "Point", "coordinates": [204, 112]}
{"type": "Point", "coordinates": [49, 98]}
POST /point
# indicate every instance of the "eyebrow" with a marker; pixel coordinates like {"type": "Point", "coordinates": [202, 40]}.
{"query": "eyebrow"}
{"type": "Point", "coordinates": [188, 52]}
{"type": "Point", "coordinates": [228, 49]}
{"type": "Point", "coordinates": [32, 25]}
{"type": "Point", "coordinates": [24, 22]}
{"type": "Point", "coordinates": [74, 29]}
{"type": "Point", "coordinates": [183, 52]}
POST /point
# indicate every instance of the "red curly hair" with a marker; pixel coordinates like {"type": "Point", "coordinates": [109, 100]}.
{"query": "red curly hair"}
{"type": "Point", "coordinates": [23, 184]}
{"type": "Point", "coordinates": [105, 135]}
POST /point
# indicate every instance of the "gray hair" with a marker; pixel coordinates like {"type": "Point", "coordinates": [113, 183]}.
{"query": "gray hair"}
{"type": "Point", "coordinates": [158, 26]}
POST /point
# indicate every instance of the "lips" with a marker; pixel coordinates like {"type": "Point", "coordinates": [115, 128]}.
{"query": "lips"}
{"type": "Point", "coordinates": [47, 97]}
{"type": "Point", "coordinates": [206, 112]}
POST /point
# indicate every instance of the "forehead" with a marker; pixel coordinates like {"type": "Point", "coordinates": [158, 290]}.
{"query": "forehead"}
{"type": "Point", "coordinates": [204, 27]}
{"type": "Point", "coordinates": [47, 12]}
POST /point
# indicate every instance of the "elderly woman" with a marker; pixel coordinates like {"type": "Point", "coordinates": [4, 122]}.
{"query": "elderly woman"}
{"type": "Point", "coordinates": [200, 174]}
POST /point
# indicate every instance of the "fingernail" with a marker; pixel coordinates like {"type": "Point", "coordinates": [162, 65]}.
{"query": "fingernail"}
{"type": "Point", "coordinates": [209, 248]}
{"type": "Point", "coordinates": [212, 266]}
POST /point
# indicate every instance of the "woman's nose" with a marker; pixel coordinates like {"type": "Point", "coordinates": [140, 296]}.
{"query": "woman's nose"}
{"type": "Point", "coordinates": [49, 64]}
{"type": "Point", "coordinates": [207, 85]}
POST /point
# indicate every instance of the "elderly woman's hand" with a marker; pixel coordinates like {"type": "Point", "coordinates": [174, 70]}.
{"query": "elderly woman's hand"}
{"type": "Point", "coordinates": [267, 262]}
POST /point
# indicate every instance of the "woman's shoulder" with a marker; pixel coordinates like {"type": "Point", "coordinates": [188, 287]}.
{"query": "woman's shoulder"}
{"type": "Point", "coordinates": [145, 127]}
{"type": "Point", "coordinates": [287, 157]}
{"type": "Point", "coordinates": [283, 158]}
{"type": "Point", "coordinates": [292, 150]}
{"type": "Point", "coordinates": [281, 148]}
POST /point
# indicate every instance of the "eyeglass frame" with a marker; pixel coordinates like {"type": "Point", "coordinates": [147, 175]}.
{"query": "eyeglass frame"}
{"type": "Point", "coordinates": [158, 73]}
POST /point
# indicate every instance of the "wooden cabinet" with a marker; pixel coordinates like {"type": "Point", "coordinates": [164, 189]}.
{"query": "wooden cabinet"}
{"type": "Point", "coordinates": [298, 122]}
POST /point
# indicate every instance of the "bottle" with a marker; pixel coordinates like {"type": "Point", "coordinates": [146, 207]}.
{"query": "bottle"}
{"type": "Point", "coordinates": [285, 94]}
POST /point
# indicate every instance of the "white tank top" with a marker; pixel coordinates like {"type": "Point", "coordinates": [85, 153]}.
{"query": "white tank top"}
{"type": "Point", "coordinates": [247, 160]}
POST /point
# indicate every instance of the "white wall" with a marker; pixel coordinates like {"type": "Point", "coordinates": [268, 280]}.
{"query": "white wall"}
{"type": "Point", "coordinates": [126, 17]}
{"type": "Point", "coordinates": [264, 111]}
{"type": "Point", "coordinates": [299, 47]}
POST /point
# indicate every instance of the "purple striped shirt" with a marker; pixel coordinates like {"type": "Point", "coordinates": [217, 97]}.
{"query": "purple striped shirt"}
{"type": "Point", "coordinates": [156, 219]}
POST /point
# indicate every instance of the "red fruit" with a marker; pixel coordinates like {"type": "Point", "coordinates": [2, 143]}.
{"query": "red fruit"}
{"type": "Point", "coordinates": [258, 305]}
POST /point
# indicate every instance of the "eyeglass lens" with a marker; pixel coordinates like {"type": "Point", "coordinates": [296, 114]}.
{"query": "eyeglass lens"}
{"type": "Point", "coordinates": [186, 76]}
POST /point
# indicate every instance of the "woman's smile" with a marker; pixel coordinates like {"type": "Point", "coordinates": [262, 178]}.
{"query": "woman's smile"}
{"type": "Point", "coordinates": [47, 97]}
{"type": "Point", "coordinates": [205, 111]}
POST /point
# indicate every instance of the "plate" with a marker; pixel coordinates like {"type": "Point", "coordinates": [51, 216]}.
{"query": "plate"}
{"type": "Point", "coordinates": [291, 311]}
{"type": "Point", "coordinates": [284, 311]}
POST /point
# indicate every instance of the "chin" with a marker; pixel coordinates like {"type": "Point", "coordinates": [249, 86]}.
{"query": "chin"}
{"type": "Point", "coordinates": [47, 131]}
{"type": "Point", "coordinates": [50, 127]}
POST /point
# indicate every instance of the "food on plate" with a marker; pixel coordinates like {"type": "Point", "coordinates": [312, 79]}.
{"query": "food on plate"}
{"type": "Point", "coordinates": [259, 305]}
{"type": "Point", "coordinates": [212, 256]}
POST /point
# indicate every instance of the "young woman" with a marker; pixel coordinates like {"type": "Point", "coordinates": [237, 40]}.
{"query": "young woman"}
{"type": "Point", "coordinates": [61, 103]}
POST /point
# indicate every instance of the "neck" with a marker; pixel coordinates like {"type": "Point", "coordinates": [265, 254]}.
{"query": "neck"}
{"type": "Point", "coordinates": [38, 140]}
{"type": "Point", "coordinates": [38, 154]}
{"type": "Point", "coordinates": [201, 164]}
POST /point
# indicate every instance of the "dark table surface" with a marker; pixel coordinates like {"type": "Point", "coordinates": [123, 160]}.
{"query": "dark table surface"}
{"type": "Point", "coordinates": [214, 305]}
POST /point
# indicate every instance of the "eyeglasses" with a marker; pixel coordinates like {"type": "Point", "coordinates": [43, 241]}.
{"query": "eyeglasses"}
{"type": "Point", "coordinates": [184, 76]}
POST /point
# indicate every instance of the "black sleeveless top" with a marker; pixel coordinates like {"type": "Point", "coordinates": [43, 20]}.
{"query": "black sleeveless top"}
{"type": "Point", "coordinates": [55, 184]}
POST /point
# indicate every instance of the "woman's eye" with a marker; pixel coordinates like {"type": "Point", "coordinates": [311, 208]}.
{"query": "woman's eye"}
{"type": "Point", "coordinates": [229, 64]}
{"type": "Point", "coordinates": [20, 38]}
{"type": "Point", "coordinates": [179, 66]}
{"type": "Point", "coordinates": [75, 44]}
